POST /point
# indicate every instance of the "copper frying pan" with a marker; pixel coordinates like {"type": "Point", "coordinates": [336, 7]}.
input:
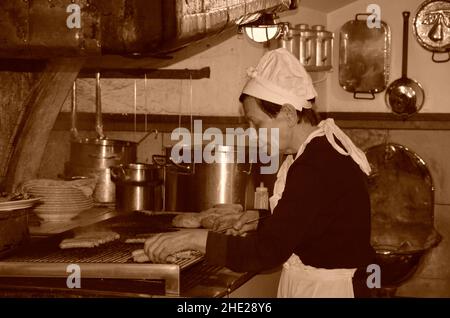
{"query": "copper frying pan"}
{"type": "Point", "coordinates": [405, 96]}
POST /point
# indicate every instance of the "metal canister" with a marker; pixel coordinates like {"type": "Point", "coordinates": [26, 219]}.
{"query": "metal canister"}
{"type": "Point", "coordinates": [290, 40]}
{"type": "Point", "coordinates": [322, 46]}
{"type": "Point", "coordinates": [305, 44]}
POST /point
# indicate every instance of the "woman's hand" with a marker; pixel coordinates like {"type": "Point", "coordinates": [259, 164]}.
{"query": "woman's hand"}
{"type": "Point", "coordinates": [160, 246]}
{"type": "Point", "coordinates": [241, 227]}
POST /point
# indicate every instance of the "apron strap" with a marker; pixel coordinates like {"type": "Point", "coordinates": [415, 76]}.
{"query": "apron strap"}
{"type": "Point", "coordinates": [330, 130]}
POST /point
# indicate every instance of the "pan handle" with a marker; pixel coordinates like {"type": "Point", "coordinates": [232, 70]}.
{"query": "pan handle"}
{"type": "Point", "coordinates": [440, 61]}
{"type": "Point", "coordinates": [249, 171]}
{"type": "Point", "coordinates": [405, 43]}
{"type": "Point", "coordinates": [356, 96]}
{"type": "Point", "coordinates": [159, 160]}
{"type": "Point", "coordinates": [73, 129]}
{"type": "Point", "coordinates": [188, 169]}
{"type": "Point", "coordinates": [98, 107]}
{"type": "Point", "coordinates": [358, 14]}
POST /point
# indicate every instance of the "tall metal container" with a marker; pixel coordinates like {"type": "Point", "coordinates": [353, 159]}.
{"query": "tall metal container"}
{"type": "Point", "coordinates": [322, 47]}
{"type": "Point", "coordinates": [199, 186]}
{"type": "Point", "coordinates": [136, 186]}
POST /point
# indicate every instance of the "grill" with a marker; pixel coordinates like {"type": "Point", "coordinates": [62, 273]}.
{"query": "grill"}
{"type": "Point", "coordinates": [109, 261]}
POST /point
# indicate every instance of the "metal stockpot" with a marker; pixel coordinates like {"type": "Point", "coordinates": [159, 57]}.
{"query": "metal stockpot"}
{"type": "Point", "coordinates": [198, 186]}
{"type": "Point", "coordinates": [136, 187]}
{"type": "Point", "coordinates": [102, 153]}
{"type": "Point", "coordinates": [105, 189]}
{"type": "Point", "coordinates": [93, 157]}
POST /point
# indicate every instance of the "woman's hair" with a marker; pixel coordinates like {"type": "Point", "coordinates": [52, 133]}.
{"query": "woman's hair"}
{"type": "Point", "coordinates": [272, 110]}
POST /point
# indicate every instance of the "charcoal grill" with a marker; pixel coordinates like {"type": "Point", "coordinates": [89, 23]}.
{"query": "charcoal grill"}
{"type": "Point", "coordinates": [109, 261]}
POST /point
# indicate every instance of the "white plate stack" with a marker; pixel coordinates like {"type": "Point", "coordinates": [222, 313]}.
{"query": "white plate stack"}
{"type": "Point", "coordinates": [60, 200]}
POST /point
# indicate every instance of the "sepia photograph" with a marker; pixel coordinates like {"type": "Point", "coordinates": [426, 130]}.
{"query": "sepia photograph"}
{"type": "Point", "coordinates": [253, 150]}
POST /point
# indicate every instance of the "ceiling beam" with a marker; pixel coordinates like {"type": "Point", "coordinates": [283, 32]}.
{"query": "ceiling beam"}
{"type": "Point", "coordinates": [42, 106]}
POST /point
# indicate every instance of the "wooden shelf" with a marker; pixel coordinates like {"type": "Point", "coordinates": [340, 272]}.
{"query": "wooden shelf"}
{"type": "Point", "coordinates": [420, 121]}
{"type": "Point", "coordinates": [166, 123]}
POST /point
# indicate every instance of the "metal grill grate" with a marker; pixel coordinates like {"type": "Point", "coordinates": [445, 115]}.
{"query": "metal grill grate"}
{"type": "Point", "coordinates": [111, 253]}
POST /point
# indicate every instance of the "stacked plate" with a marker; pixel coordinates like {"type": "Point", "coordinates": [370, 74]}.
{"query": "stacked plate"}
{"type": "Point", "coordinates": [60, 200]}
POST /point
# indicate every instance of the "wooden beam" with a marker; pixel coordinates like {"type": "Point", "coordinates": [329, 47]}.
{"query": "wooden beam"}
{"type": "Point", "coordinates": [14, 90]}
{"type": "Point", "coordinates": [42, 107]}
{"type": "Point", "coordinates": [150, 73]}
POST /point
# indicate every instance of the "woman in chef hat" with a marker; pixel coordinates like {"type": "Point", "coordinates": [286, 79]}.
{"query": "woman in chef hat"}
{"type": "Point", "coordinates": [319, 223]}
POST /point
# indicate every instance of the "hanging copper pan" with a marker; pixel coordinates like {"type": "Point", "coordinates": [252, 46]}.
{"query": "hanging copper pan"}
{"type": "Point", "coordinates": [405, 96]}
{"type": "Point", "coordinates": [432, 28]}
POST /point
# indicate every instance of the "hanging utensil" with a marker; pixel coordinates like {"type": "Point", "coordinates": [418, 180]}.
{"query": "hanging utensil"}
{"type": "Point", "coordinates": [432, 28]}
{"type": "Point", "coordinates": [405, 96]}
{"type": "Point", "coordinates": [73, 129]}
{"type": "Point", "coordinates": [98, 104]}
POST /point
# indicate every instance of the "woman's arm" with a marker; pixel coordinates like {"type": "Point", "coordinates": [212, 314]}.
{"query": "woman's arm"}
{"type": "Point", "coordinates": [296, 220]}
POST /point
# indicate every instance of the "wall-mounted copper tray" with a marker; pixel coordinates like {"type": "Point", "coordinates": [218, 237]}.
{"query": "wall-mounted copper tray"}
{"type": "Point", "coordinates": [364, 57]}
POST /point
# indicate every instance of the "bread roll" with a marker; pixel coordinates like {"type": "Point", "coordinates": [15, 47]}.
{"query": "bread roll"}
{"type": "Point", "coordinates": [89, 239]}
{"type": "Point", "coordinates": [187, 220]}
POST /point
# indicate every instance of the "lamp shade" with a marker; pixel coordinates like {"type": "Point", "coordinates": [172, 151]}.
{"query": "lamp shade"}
{"type": "Point", "coordinates": [262, 33]}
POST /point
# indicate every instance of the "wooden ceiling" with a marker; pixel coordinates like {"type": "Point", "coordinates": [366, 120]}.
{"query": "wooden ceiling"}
{"type": "Point", "coordinates": [325, 5]}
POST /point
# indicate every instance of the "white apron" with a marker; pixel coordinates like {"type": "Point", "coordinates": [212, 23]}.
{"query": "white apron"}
{"type": "Point", "coordinates": [297, 279]}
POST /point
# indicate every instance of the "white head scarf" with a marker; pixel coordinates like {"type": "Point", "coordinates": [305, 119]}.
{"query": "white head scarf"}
{"type": "Point", "coordinates": [280, 78]}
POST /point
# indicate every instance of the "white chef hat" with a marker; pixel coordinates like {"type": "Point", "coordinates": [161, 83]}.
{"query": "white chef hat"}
{"type": "Point", "coordinates": [280, 78]}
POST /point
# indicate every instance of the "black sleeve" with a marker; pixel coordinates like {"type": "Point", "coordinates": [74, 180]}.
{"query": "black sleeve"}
{"type": "Point", "coordinates": [295, 221]}
{"type": "Point", "coordinates": [264, 213]}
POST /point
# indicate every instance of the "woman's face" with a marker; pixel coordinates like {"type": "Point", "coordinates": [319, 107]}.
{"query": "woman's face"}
{"type": "Point", "coordinates": [257, 119]}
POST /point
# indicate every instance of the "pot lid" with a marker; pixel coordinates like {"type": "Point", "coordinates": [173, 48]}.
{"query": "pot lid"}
{"type": "Point", "coordinates": [432, 25]}
{"type": "Point", "coordinates": [104, 142]}
{"type": "Point", "coordinates": [402, 199]}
